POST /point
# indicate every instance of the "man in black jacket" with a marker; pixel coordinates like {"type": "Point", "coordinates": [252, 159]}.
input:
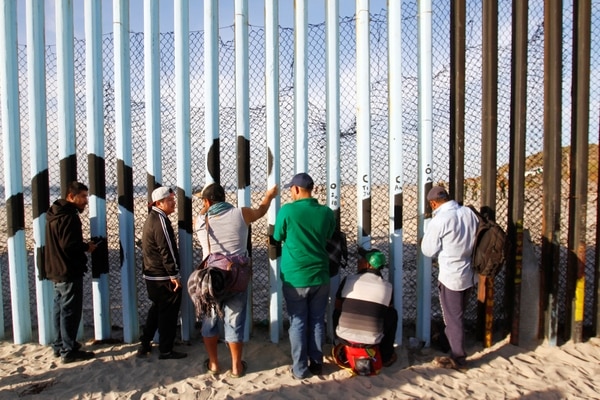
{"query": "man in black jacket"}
{"type": "Point", "coordinates": [65, 263]}
{"type": "Point", "coordinates": [161, 273]}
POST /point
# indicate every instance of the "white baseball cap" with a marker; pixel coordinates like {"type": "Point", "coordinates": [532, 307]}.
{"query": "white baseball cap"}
{"type": "Point", "coordinates": [162, 193]}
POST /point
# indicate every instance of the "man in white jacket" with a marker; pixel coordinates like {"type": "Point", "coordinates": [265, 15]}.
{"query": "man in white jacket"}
{"type": "Point", "coordinates": [450, 236]}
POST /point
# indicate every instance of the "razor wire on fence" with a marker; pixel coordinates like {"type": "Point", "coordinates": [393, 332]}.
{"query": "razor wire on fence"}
{"type": "Point", "coordinates": [317, 140]}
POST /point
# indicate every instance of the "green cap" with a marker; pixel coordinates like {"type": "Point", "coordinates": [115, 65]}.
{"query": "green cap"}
{"type": "Point", "coordinates": [374, 257]}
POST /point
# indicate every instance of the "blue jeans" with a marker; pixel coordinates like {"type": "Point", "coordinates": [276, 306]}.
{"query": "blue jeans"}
{"type": "Point", "coordinates": [234, 319]}
{"type": "Point", "coordinates": [68, 305]}
{"type": "Point", "coordinates": [306, 308]}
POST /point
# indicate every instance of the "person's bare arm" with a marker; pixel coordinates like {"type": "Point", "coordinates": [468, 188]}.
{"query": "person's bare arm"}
{"type": "Point", "coordinates": [176, 283]}
{"type": "Point", "coordinates": [252, 214]}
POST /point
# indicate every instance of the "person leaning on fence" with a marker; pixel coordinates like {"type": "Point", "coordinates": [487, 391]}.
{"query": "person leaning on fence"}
{"type": "Point", "coordinates": [364, 317]}
{"type": "Point", "coordinates": [65, 263]}
{"type": "Point", "coordinates": [450, 235]}
{"type": "Point", "coordinates": [304, 226]}
{"type": "Point", "coordinates": [161, 273]}
{"type": "Point", "coordinates": [227, 234]}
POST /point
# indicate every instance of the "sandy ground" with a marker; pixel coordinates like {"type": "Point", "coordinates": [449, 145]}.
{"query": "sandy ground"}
{"type": "Point", "coordinates": [570, 371]}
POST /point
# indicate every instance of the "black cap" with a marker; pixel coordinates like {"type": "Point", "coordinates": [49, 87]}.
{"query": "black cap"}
{"type": "Point", "coordinates": [302, 180]}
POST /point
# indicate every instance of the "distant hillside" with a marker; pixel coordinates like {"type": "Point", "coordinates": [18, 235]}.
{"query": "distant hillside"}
{"type": "Point", "coordinates": [536, 162]}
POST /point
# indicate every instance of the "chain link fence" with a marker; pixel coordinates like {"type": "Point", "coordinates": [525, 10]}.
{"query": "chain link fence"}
{"type": "Point", "coordinates": [317, 138]}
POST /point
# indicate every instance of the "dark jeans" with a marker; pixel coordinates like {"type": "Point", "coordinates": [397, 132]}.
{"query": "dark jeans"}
{"type": "Point", "coordinates": [162, 315]}
{"type": "Point", "coordinates": [453, 307]}
{"type": "Point", "coordinates": [68, 304]}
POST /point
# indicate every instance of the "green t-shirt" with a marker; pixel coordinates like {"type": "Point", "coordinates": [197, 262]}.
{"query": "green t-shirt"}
{"type": "Point", "coordinates": [304, 227]}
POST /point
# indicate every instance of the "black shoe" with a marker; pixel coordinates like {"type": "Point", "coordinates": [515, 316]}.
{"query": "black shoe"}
{"type": "Point", "coordinates": [316, 368]}
{"type": "Point", "coordinates": [144, 350]}
{"type": "Point", "coordinates": [299, 378]}
{"type": "Point", "coordinates": [76, 347]}
{"type": "Point", "coordinates": [172, 355]}
{"type": "Point", "coordinates": [392, 360]}
{"type": "Point", "coordinates": [77, 355]}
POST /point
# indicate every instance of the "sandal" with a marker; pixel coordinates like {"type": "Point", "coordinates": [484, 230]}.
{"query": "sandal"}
{"type": "Point", "coordinates": [244, 369]}
{"type": "Point", "coordinates": [449, 363]}
{"type": "Point", "coordinates": [210, 371]}
{"type": "Point", "coordinates": [444, 362]}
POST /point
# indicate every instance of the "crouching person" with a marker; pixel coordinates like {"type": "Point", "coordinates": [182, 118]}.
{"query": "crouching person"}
{"type": "Point", "coordinates": [364, 319]}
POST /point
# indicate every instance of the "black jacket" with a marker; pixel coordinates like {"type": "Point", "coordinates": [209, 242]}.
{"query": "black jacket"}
{"type": "Point", "coordinates": [64, 252]}
{"type": "Point", "coordinates": [159, 248]}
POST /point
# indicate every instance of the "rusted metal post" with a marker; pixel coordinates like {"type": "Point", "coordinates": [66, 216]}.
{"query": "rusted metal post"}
{"type": "Point", "coordinates": [579, 170]}
{"type": "Point", "coordinates": [550, 259]}
{"type": "Point", "coordinates": [457, 99]}
{"type": "Point", "coordinates": [516, 168]}
{"type": "Point", "coordinates": [489, 139]}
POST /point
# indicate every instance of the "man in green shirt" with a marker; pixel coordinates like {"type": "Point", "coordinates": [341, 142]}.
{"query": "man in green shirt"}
{"type": "Point", "coordinates": [304, 226]}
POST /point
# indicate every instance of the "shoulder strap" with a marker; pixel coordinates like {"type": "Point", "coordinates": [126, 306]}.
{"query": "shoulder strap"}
{"type": "Point", "coordinates": [206, 226]}
{"type": "Point", "coordinates": [477, 213]}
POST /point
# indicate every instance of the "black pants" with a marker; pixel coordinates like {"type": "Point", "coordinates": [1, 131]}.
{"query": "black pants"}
{"type": "Point", "coordinates": [162, 315]}
{"type": "Point", "coordinates": [390, 324]}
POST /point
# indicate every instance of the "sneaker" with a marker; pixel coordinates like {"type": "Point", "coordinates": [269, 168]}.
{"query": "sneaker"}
{"type": "Point", "coordinates": [172, 355]}
{"type": "Point", "coordinates": [316, 368]}
{"type": "Point", "coordinates": [144, 350]}
{"type": "Point", "coordinates": [77, 355]}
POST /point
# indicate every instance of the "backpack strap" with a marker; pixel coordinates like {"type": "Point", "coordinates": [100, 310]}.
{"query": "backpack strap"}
{"type": "Point", "coordinates": [206, 226]}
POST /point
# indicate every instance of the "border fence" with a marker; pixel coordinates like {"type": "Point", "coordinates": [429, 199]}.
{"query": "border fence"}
{"type": "Point", "coordinates": [317, 142]}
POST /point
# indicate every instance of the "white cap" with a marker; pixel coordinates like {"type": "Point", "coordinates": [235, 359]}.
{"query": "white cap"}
{"type": "Point", "coordinates": [161, 193]}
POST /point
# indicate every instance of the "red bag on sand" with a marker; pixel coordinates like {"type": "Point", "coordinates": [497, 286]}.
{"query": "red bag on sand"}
{"type": "Point", "coordinates": [358, 360]}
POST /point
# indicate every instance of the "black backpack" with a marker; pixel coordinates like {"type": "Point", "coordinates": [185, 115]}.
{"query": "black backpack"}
{"type": "Point", "coordinates": [489, 251]}
{"type": "Point", "coordinates": [337, 248]}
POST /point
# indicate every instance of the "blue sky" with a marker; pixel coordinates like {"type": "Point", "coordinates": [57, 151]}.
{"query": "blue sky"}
{"type": "Point", "coordinates": [316, 14]}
